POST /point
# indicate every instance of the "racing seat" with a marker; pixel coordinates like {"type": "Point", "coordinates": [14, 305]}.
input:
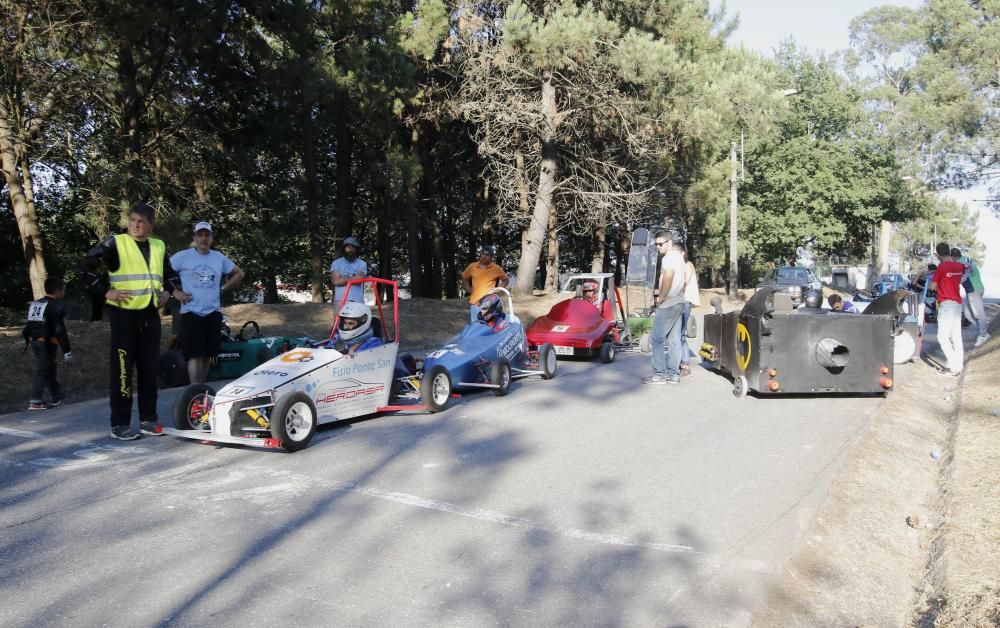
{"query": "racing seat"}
{"type": "Point", "coordinates": [377, 331]}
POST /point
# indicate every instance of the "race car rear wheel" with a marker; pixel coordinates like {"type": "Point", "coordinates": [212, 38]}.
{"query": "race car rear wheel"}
{"type": "Point", "coordinates": [192, 408]}
{"type": "Point", "coordinates": [500, 377]}
{"type": "Point", "coordinates": [607, 352]}
{"type": "Point", "coordinates": [435, 388]}
{"type": "Point", "coordinates": [548, 361]}
{"type": "Point", "coordinates": [293, 421]}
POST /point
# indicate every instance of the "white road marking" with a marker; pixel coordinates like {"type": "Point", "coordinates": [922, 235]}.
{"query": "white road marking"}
{"type": "Point", "coordinates": [490, 516]}
{"type": "Point", "coordinates": [20, 433]}
{"type": "Point", "coordinates": [295, 484]}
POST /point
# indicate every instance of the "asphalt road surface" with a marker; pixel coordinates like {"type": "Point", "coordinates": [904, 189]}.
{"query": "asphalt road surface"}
{"type": "Point", "coordinates": [589, 499]}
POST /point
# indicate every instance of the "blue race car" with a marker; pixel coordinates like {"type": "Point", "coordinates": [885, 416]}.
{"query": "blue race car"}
{"type": "Point", "coordinates": [489, 353]}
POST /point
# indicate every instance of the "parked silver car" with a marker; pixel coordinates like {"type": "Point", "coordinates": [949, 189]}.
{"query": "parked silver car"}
{"type": "Point", "coordinates": [794, 280]}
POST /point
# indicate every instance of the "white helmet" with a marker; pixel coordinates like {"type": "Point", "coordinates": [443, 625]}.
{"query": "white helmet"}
{"type": "Point", "coordinates": [358, 312]}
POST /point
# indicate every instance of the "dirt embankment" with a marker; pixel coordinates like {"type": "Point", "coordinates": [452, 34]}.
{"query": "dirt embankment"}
{"type": "Point", "coordinates": [910, 533]}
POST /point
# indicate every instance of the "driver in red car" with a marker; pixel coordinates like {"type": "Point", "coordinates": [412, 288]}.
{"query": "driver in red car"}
{"type": "Point", "coordinates": [590, 291]}
{"type": "Point", "coordinates": [491, 313]}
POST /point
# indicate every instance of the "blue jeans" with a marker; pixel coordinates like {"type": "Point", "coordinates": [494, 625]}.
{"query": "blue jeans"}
{"type": "Point", "coordinates": [685, 347]}
{"type": "Point", "coordinates": [667, 325]}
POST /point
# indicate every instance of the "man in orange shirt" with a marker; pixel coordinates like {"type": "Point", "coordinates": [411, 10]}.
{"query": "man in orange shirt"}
{"type": "Point", "coordinates": [480, 277]}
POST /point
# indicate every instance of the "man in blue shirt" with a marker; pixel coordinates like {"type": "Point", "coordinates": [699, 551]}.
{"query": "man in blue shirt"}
{"type": "Point", "coordinates": [840, 305]}
{"type": "Point", "coordinates": [343, 269]}
{"type": "Point", "coordinates": [201, 270]}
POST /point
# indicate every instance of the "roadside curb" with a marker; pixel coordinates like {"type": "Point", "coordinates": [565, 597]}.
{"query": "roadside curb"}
{"type": "Point", "coordinates": [961, 584]}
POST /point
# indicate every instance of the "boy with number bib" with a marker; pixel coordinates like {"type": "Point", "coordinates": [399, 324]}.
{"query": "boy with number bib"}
{"type": "Point", "coordinates": [45, 332]}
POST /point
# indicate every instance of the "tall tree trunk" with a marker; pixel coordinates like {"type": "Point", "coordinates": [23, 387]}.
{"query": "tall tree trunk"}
{"type": "Point", "coordinates": [432, 214]}
{"type": "Point", "coordinates": [344, 221]}
{"type": "Point", "coordinates": [413, 224]}
{"type": "Point", "coordinates": [600, 245]}
{"type": "Point", "coordinates": [620, 254]}
{"type": "Point", "coordinates": [18, 181]}
{"type": "Point", "coordinates": [270, 287]}
{"type": "Point", "coordinates": [450, 269]}
{"type": "Point", "coordinates": [546, 191]}
{"type": "Point", "coordinates": [884, 240]}
{"type": "Point", "coordinates": [132, 108]}
{"type": "Point", "coordinates": [552, 255]}
{"type": "Point", "coordinates": [312, 203]}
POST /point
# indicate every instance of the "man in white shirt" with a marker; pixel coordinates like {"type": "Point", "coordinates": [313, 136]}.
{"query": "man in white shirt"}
{"type": "Point", "coordinates": [346, 267]}
{"type": "Point", "coordinates": [202, 269]}
{"type": "Point", "coordinates": [669, 310]}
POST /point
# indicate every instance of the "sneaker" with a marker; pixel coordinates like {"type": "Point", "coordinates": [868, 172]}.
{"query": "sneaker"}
{"type": "Point", "coordinates": [37, 405]}
{"type": "Point", "coordinates": [55, 403]}
{"type": "Point", "coordinates": [151, 428]}
{"type": "Point", "coordinates": [673, 380]}
{"type": "Point", "coordinates": [685, 370]}
{"type": "Point", "coordinates": [981, 339]}
{"type": "Point", "coordinates": [654, 379]}
{"type": "Point", "coordinates": [124, 432]}
{"type": "Point", "coordinates": [949, 373]}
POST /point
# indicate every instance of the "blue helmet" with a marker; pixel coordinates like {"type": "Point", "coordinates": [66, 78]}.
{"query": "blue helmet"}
{"type": "Point", "coordinates": [490, 308]}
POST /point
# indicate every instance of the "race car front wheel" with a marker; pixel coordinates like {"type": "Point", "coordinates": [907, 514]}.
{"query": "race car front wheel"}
{"type": "Point", "coordinates": [547, 360]}
{"type": "Point", "coordinates": [607, 352]}
{"type": "Point", "coordinates": [435, 388]}
{"type": "Point", "coordinates": [293, 421]}
{"type": "Point", "coordinates": [193, 407]}
{"type": "Point", "coordinates": [500, 377]}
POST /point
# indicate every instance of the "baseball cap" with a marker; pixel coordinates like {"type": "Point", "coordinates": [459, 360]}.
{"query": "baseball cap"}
{"type": "Point", "coordinates": [207, 226]}
{"type": "Point", "coordinates": [352, 241]}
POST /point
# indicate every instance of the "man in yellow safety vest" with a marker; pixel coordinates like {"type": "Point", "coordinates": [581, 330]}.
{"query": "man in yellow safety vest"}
{"type": "Point", "coordinates": [139, 279]}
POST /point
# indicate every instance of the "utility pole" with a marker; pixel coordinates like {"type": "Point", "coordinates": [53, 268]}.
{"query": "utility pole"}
{"type": "Point", "coordinates": [733, 253]}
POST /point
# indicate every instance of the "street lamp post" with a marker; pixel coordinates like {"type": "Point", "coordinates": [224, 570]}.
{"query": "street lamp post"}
{"type": "Point", "coordinates": [733, 206]}
{"type": "Point", "coordinates": [733, 253]}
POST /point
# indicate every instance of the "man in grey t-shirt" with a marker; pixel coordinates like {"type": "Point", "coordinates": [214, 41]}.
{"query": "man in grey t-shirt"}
{"type": "Point", "coordinates": [669, 309]}
{"type": "Point", "coordinates": [201, 270]}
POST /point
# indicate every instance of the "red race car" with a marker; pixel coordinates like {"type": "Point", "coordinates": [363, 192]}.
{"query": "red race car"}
{"type": "Point", "coordinates": [589, 322]}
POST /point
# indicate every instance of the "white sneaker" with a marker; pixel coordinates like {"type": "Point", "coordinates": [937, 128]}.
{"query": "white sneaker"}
{"type": "Point", "coordinates": [981, 339]}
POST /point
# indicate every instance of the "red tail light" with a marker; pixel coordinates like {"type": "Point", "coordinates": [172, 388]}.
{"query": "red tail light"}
{"type": "Point", "coordinates": [773, 386]}
{"type": "Point", "coordinates": [885, 382]}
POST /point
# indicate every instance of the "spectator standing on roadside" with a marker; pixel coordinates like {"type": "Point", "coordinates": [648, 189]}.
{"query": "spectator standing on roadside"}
{"type": "Point", "coordinates": [946, 280]}
{"type": "Point", "coordinates": [480, 277]}
{"type": "Point", "coordinates": [46, 331]}
{"type": "Point", "coordinates": [669, 310]}
{"type": "Point", "coordinates": [692, 298]}
{"type": "Point", "coordinates": [346, 267]}
{"type": "Point", "coordinates": [972, 281]}
{"type": "Point", "coordinates": [201, 270]}
{"type": "Point", "coordinates": [139, 279]}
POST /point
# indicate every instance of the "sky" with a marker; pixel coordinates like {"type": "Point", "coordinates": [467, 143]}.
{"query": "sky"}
{"type": "Point", "coordinates": [824, 26]}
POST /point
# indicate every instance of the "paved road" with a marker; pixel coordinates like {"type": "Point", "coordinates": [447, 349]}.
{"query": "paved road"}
{"type": "Point", "coordinates": [589, 499]}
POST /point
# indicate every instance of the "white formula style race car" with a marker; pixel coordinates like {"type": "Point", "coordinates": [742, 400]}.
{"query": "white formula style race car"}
{"type": "Point", "coordinates": [280, 403]}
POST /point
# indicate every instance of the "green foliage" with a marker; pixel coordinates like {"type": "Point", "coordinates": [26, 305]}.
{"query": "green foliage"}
{"type": "Point", "coordinates": [824, 179]}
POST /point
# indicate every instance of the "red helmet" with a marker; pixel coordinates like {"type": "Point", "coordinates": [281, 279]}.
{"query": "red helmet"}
{"type": "Point", "coordinates": [591, 287]}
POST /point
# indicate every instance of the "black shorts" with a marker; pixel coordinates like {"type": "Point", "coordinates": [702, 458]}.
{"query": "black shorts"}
{"type": "Point", "coordinates": [201, 336]}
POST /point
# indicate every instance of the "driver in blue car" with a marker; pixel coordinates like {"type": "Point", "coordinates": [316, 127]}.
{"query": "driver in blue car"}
{"type": "Point", "coordinates": [491, 312]}
{"type": "Point", "coordinates": [354, 330]}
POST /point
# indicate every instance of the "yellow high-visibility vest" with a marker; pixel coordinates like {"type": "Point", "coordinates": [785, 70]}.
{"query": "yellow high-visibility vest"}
{"type": "Point", "coordinates": [142, 282]}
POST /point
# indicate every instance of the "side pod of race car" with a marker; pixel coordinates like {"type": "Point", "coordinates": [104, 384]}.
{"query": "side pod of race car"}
{"type": "Point", "coordinates": [486, 354]}
{"type": "Point", "coordinates": [281, 402]}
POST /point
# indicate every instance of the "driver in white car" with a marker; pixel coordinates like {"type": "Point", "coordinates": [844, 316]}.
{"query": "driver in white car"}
{"type": "Point", "coordinates": [354, 330]}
